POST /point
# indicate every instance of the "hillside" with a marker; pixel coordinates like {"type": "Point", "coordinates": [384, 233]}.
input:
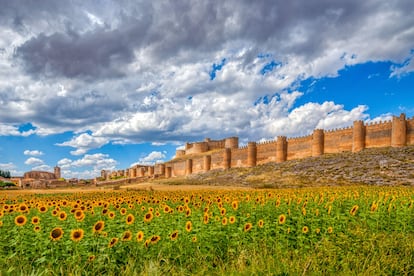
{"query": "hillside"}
{"type": "Point", "coordinates": [378, 166]}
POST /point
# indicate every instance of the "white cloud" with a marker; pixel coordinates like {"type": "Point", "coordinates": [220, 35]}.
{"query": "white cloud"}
{"type": "Point", "coordinates": [7, 166]}
{"type": "Point", "coordinates": [400, 71]}
{"type": "Point", "coordinates": [33, 152]}
{"type": "Point", "coordinates": [34, 161]}
{"type": "Point", "coordinates": [43, 167]}
{"type": "Point", "coordinates": [151, 158]}
{"type": "Point", "coordinates": [83, 143]}
{"type": "Point", "coordinates": [89, 166]}
{"type": "Point", "coordinates": [9, 130]}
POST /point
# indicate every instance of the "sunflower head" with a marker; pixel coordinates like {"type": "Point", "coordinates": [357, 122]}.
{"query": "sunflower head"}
{"type": "Point", "coordinates": [98, 226]}
{"type": "Point", "coordinates": [20, 220]}
{"type": "Point", "coordinates": [56, 233]}
{"type": "Point", "coordinates": [76, 235]}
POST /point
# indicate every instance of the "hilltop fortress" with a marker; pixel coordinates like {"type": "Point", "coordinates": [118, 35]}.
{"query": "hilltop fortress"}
{"type": "Point", "coordinates": [209, 154]}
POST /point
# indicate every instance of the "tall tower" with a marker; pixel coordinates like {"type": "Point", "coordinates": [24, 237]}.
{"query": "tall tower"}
{"type": "Point", "coordinates": [57, 172]}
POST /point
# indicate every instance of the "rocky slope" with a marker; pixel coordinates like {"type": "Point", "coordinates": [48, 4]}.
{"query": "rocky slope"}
{"type": "Point", "coordinates": [381, 166]}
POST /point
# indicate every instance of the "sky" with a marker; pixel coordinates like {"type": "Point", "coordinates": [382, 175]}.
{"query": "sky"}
{"type": "Point", "coordinates": [92, 85]}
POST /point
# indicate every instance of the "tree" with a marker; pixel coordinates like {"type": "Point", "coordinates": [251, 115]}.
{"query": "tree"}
{"type": "Point", "coordinates": [5, 174]}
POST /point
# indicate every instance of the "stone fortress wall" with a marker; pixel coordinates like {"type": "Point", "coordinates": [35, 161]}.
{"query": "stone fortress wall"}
{"type": "Point", "coordinates": [209, 155]}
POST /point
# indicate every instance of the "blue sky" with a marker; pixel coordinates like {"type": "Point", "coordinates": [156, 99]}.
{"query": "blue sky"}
{"type": "Point", "coordinates": [105, 85]}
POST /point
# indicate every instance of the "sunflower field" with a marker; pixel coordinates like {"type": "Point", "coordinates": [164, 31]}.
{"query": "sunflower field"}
{"type": "Point", "coordinates": [343, 230]}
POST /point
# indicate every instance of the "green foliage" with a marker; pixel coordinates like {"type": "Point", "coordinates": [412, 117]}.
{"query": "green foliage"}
{"type": "Point", "coordinates": [353, 230]}
{"type": "Point", "coordinates": [7, 184]}
{"type": "Point", "coordinates": [5, 174]}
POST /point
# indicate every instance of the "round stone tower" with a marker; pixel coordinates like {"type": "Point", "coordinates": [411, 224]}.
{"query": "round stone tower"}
{"type": "Point", "coordinates": [231, 143]}
{"type": "Point", "coordinates": [227, 158]}
{"type": "Point", "coordinates": [251, 154]}
{"type": "Point", "coordinates": [399, 131]}
{"type": "Point", "coordinates": [207, 163]}
{"type": "Point", "coordinates": [281, 149]}
{"type": "Point", "coordinates": [317, 142]}
{"type": "Point", "coordinates": [358, 136]}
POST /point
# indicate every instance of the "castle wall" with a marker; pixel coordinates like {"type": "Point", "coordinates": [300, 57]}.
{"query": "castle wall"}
{"type": "Point", "coordinates": [396, 133]}
{"type": "Point", "coordinates": [266, 152]}
{"type": "Point", "coordinates": [378, 135]}
{"type": "Point", "coordinates": [410, 131]}
{"type": "Point", "coordinates": [239, 157]}
{"type": "Point", "coordinates": [198, 164]}
{"type": "Point", "coordinates": [215, 144]}
{"type": "Point", "coordinates": [217, 160]}
{"type": "Point", "coordinates": [178, 168]}
{"type": "Point", "coordinates": [300, 147]}
{"type": "Point", "coordinates": [338, 140]}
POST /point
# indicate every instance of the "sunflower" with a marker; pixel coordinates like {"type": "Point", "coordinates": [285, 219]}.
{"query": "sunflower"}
{"type": "Point", "coordinates": [140, 236]}
{"type": "Point", "coordinates": [76, 235]}
{"type": "Point", "coordinates": [1, 214]}
{"type": "Point", "coordinates": [277, 203]}
{"type": "Point", "coordinates": [282, 219]}
{"type": "Point", "coordinates": [223, 211]}
{"type": "Point", "coordinates": [317, 230]}
{"type": "Point", "coordinates": [91, 258]}
{"type": "Point", "coordinates": [111, 215]}
{"type": "Point", "coordinates": [130, 219]}
{"type": "Point", "coordinates": [62, 216]}
{"type": "Point", "coordinates": [55, 212]}
{"type": "Point", "coordinates": [147, 242]}
{"type": "Point", "coordinates": [194, 239]}
{"type": "Point", "coordinates": [330, 230]}
{"type": "Point", "coordinates": [123, 211]}
{"type": "Point", "coordinates": [148, 217]}
{"type": "Point", "coordinates": [329, 209]}
{"type": "Point", "coordinates": [232, 219]}
{"type": "Point", "coordinates": [354, 210]}
{"type": "Point", "coordinates": [166, 209]}
{"type": "Point", "coordinates": [23, 208]}
{"type": "Point", "coordinates": [305, 229]}
{"type": "Point", "coordinates": [37, 228]}
{"type": "Point", "coordinates": [56, 233]}
{"type": "Point", "coordinates": [155, 239]}
{"type": "Point", "coordinates": [104, 211]}
{"type": "Point", "coordinates": [20, 220]}
{"type": "Point", "coordinates": [260, 223]}
{"type": "Point", "coordinates": [188, 226]}
{"type": "Point", "coordinates": [374, 207]}
{"type": "Point", "coordinates": [79, 215]}
{"type": "Point", "coordinates": [188, 212]}
{"type": "Point", "coordinates": [235, 205]}
{"type": "Point", "coordinates": [112, 242]}
{"type": "Point", "coordinates": [35, 220]}
{"type": "Point", "coordinates": [157, 214]}
{"type": "Point", "coordinates": [99, 226]}
{"type": "Point", "coordinates": [126, 236]}
{"type": "Point", "coordinates": [205, 218]}
{"type": "Point", "coordinates": [247, 227]}
{"type": "Point", "coordinates": [174, 235]}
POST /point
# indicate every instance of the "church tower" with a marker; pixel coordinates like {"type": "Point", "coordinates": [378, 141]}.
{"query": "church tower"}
{"type": "Point", "coordinates": [57, 172]}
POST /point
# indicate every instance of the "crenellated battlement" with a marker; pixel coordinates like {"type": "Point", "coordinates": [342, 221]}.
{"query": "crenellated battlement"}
{"type": "Point", "coordinates": [199, 157]}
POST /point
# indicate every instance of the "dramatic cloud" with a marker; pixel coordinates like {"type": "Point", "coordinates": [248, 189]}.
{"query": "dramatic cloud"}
{"type": "Point", "coordinates": [127, 72]}
{"type": "Point", "coordinates": [33, 152]}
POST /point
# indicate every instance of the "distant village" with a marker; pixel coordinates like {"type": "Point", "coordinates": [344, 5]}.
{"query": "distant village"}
{"type": "Point", "coordinates": [40, 180]}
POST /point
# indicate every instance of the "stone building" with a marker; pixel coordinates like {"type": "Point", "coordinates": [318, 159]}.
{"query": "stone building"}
{"type": "Point", "coordinates": [42, 179]}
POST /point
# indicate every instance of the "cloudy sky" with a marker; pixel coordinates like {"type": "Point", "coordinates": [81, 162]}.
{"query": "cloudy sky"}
{"type": "Point", "coordinates": [91, 85]}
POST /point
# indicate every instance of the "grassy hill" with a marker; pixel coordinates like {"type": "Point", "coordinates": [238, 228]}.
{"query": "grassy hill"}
{"type": "Point", "coordinates": [380, 166]}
